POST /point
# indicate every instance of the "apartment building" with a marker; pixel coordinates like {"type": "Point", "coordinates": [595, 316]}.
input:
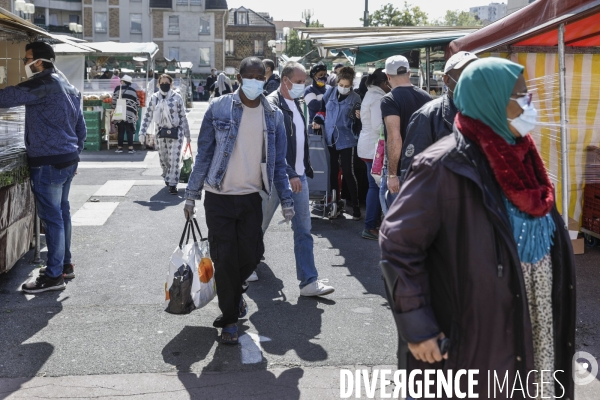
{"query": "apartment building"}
{"type": "Point", "coordinates": [185, 30]}
{"type": "Point", "coordinates": [515, 5]}
{"type": "Point", "coordinates": [490, 13]}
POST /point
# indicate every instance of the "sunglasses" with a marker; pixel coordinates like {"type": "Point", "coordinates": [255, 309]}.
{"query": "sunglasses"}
{"type": "Point", "coordinates": [523, 98]}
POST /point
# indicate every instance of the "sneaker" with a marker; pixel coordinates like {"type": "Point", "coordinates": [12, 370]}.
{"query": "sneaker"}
{"type": "Point", "coordinates": [371, 234]}
{"type": "Point", "coordinates": [68, 271]}
{"type": "Point", "coordinates": [253, 277]}
{"type": "Point", "coordinates": [173, 190]}
{"type": "Point", "coordinates": [317, 288]}
{"type": "Point", "coordinates": [166, 183]}
{"type": "Point", "coordinates": [118, 150]}
{"type": "Point", "coordinates": [131, 151]}
{"type": "Point", "coordinates": [44, 284]}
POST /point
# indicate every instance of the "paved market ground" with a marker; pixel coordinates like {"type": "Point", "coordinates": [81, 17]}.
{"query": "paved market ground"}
{"type": "Point", "coordinates": [106, 336]}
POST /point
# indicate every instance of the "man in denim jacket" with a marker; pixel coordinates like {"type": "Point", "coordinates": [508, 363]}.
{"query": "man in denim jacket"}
{"type": "Point", "coordinates": [241, 152]}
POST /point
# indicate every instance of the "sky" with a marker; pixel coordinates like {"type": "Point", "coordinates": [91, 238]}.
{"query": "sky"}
{"type": "Point", "coordinates": [346, 13]}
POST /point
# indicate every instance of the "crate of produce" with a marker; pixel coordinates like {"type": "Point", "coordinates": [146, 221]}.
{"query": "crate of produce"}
{"type": "Point", "coordinates": [91, 115]}
{"type": "Point", "coordinates": [92, 146]}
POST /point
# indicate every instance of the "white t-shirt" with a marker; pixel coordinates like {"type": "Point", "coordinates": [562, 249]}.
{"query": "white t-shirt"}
{"type": "Point", "coordinates": [299, 123]}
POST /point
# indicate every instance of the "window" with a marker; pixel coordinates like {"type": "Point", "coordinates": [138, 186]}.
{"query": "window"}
{"type": "Point", "coordinates": [182, 2]}
{"type": "Point", "coordinates": [53, 19]}
{"type": "Point", "coordinates": [174, 53]}
{"type": "Point", "coordinates": [229, 47]}
{"type": "Point", "coordinates": [280, 36]}
{"type": "Point", "coordinates": [259, 47]}
{"type": "Point", "coordinates": [196, 2]}
{"type": "Point", "coordinates": [204, 28]}
{"type": "Point", "coordinates": [242, 18]}
{"type": "Point", "coordinates": [100, 22]}
{"type": "Point", "coordinates": [204, 57]}
{"type": "Point", "coordinates": [135, 21]}
{"type": "Point", "coordinates": [74, 18]}
{"type": "Point", "coordinates": [174, 24]}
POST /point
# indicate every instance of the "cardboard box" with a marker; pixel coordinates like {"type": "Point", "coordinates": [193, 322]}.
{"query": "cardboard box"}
{"type": "Point", "coordinates": [578, 245]}
{"type": "Point", "coordinates": [573, 225]}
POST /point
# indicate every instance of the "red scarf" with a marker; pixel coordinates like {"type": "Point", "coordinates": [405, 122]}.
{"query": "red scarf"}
{"type": "Point", "coordinates": [518, 168]}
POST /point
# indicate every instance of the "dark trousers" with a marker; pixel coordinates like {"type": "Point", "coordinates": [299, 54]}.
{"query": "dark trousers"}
{"type": "Point", "coordinates": [128, 127]}
{"type": "Point", "coordinates": [346, 158]}
{"type": "Point", "coordinates": [236, 246]}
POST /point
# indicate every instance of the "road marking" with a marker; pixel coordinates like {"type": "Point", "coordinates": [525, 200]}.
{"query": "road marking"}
{"type": "Point", "coordinates": [93, 214]}
{"type": "Point", "coordinates": [115, 188]}
{"type": "Point", "coordinates": [251, 348]}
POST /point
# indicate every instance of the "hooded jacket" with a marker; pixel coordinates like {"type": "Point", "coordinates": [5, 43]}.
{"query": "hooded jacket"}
{"type": "Point", "coordinates": [449, 239]}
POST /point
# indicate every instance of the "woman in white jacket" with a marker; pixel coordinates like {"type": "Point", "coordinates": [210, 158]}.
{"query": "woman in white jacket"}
{"type": "Point", "coordinates": [167, 110]}
{"type": "Point", "coordinates": [370, 114]}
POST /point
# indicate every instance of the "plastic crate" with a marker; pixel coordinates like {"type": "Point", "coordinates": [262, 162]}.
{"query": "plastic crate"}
{"type": "Point", "coordinates": [107, 106]}
{"type": "Point", "coordinates": [92, 146]}
{"type": "Point", "coordinates": [91, 115]}
{"type": "Point", "coordinates": [92, 124]}
{"type": "Point", "coordinates": [92, 103]}
{"type": "Point", "coordinates": [93, 138]}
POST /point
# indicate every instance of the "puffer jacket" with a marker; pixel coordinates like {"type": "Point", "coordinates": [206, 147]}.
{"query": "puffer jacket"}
{"type": "Point", "coordinates": [450, 241]}
{"type": "Point", "coordinates": [427, 125]}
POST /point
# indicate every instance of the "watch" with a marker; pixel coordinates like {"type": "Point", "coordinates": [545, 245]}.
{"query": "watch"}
{"type": "Point", "coordinates": [392, 176]}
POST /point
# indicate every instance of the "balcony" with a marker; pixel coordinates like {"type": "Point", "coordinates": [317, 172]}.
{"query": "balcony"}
{"type": "Point", "coordinates": [161, 4]}
{"type": "Point", "coordinates": [63, 29]}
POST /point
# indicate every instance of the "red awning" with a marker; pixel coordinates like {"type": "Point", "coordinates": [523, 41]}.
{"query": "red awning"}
{"type": "Point", "coordinates": [536, 25]}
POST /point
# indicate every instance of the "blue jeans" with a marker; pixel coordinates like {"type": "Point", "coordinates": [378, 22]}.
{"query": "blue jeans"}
{"type": "Point", "coordinates": [51, 189]}
{"type": "Point", "coordinates": [303, 240]}
{"type": "Point", "coordinates": [386, 199]}
{"type": "Point", "coordinates": [373, 216]}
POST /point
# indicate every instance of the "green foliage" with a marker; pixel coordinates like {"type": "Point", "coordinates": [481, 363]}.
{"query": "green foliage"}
{"type": "Point", "coordinates": [388, 15]}
{"type": "Point", "coordinates": [316, 24]}
{"type": "Point", "coordinates": [458, 18]}
{"type": "Point", "coordinates": [295, 46]}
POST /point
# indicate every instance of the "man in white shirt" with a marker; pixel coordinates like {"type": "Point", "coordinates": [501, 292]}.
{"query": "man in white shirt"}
{"type": "Point", "coordinates": [298, 168]}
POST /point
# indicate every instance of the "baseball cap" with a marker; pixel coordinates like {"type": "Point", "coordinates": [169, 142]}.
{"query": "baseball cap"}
{"type": "Point", "coordinates": [459, 60]}
{"type": "Point", "coordinates": [397, 65]}
{"type": "Point", "coordinates": [126, 78]}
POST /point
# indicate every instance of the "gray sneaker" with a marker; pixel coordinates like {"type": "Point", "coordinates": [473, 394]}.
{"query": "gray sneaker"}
{"type": "Point", "coordinates": [44, 284]}
{"type": "Point", "coordinates": [317, 288]}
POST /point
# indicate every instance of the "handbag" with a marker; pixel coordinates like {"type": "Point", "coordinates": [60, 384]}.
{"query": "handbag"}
{"type": "Point", "coordinates": [378, 160]}
{"type": "Point", "coordinates": [120, 113]}
{"type": "Point", "coordinates": [168, 133]}
{"type": "Point", "coordinates": [186, 168]}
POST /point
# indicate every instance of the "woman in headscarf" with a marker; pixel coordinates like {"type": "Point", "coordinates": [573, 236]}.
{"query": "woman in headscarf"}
{"type": "Point", "coordinates": [222, 85]}
{"type": "Point", "coordinates": [481, 254]}
{"type": "Point", "coordinates": [167, 110]}
{"type": "Point", "coordinates": [314, 93]}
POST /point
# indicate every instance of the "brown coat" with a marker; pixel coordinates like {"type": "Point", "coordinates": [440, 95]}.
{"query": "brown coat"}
{"type": "Point", "coordinates": [449, 238]}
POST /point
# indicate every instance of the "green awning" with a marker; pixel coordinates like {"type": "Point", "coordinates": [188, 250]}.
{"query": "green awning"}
{"type": "Point", "coordinates": [369, 53]}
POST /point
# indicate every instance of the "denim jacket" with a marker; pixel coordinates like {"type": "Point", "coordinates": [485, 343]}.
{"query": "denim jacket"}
{"type": "Point", "coordinates": [338, 124]}
{"type": "Point", "coordinates": [218, 134]}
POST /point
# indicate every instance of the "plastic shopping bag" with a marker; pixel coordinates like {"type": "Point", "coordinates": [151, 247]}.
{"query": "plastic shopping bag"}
{"type": "Point", "coordinates": [190, 280]}
{"type": "Point", "coordinates": [120, 113]}
{"type": "Point", "coordinates": [377, 167]}
{"type": "Point", "coordinates": [186, 168]}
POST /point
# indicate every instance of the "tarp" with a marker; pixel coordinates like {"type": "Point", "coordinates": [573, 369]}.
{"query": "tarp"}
{"type": "Point", "coordinates": [73, 66]}
{"type": "Point", "coordinates": [119, 49]}
{"type": "Point", "coordinates": [536, 25]}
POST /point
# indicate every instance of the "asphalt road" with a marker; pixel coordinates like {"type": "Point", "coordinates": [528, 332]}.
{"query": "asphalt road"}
{"type": "Point", "coordinates": [107, 335]}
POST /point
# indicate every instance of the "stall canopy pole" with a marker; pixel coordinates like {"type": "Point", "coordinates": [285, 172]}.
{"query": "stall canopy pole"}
{"type": "Point", "coordinates": [427, 67]}
{"type": "Point", "coordinates": [563, 123]}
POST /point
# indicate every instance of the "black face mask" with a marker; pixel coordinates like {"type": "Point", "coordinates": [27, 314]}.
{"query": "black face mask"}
{"type": "Point", "coordinates": [165, 87]}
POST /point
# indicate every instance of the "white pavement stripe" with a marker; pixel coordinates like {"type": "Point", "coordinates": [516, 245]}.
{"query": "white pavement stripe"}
{"type": "Point", "coordinates": [93, 214]}
{"type": "Point", "coordinates": [111, 165]}
{"type": "Point", "coordinates": [149, 182]}
{"type": "Point", "coordinates": [115, 188]}
{"type": "Point", "coordinates": [251, 348]}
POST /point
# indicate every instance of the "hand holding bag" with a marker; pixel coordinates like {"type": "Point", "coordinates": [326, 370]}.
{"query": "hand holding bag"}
{"type": "Point", "coordinates": [377, 168]}
{"type": "Point", "coordinates": [186, 168]}
{"type": "Point", "coordinates": [120, 113]}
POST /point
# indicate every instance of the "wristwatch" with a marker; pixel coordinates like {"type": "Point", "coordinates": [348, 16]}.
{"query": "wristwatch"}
{"type": "Point", "coordinates": [392, 176]}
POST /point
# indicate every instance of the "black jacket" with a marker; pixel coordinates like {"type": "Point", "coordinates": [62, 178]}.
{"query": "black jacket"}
{"type": "Point", "coordinates": [450, 240]}
{"type": "Point", "coordinates": [427, 125]}
{"type": "Point", "coordinates": [277, 100]}
{"type": "Point", "coordinates": [272, 84]}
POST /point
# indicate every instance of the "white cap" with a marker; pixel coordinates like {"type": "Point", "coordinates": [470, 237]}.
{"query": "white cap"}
{"type": "Point", "coordinates": [394, 64]}
{"type": "Point", "coordinates": [126, 78]}
{"type": "Point", "coordinates": [459, 60]}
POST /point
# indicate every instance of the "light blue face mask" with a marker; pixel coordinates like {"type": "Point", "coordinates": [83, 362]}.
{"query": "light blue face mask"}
{"type": "Point", "coordinates": [296, 91]}
{"type": "Point", "coordinates": [252, 88]}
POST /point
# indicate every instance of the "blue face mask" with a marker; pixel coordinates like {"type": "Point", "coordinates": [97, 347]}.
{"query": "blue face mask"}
{"type": "Point", "coordinates": [296, 91]}
{"type": "Point", "coordinates": [252, 88]}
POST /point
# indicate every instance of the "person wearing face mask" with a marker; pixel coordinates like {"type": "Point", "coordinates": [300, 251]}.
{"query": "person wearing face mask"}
{"type": "Point", "coordinates": [241, 152]}
{"type": "Point", "coordinates": [370, 115]}
{"type": "Point", "coordinates": [333, 79]}
{"type": "Point", "coordinates": [314, 93]}
{"type": "Point", "coordinates": [127, 92]}
{"type": "Point", "coordinates": [167, 110]}
{"type": "Point", "coordinates": [435, 119]}
{"type": "Point", "coordinates": [340, 112]}
{"type": "Point", "coordinates": [479, 251]}
{"type": "Point", "coordinates": [298, 169]}
{"type": "Point", "coordinates": [54, 137]}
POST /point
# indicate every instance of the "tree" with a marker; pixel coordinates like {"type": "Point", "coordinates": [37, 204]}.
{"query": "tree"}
{"type": "Point", "coordinates": [316, 24]}
{"type": "Point", "coordinates": [388, 15]}
{"type": "Point", "coordinates": [295, 46]}
{"type": "Point", "coordinates": [458, 18]}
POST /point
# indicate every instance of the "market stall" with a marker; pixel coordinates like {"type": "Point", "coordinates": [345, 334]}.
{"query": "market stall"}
{"type": "Point", "coordinates": [557, 42]}
{"type": "Point", "coordinates": [17, 205]}
{"type": "Point", "coordinates": [181, 72]}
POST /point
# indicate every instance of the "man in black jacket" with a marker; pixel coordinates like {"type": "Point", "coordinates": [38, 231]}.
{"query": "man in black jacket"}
{"type": "Point", "coordinates": [298, 168]}
{"type": "Point", "coordinates": [273, 80]}
{"type": "Point", "coordinates": [435, 119]}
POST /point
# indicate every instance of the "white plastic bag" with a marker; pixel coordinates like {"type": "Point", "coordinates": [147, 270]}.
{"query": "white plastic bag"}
{"type": "Point", "coordinates": [120, 113]}
{"type": "Point", "coordinates": [196, 256]}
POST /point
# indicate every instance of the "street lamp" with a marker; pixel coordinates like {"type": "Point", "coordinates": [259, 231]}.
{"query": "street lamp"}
{"type": "Point", "coordinates": [24, 8]}
{"type": "Point", "coordinates": [286, 32]}
{"type": "Point", "coordinates": [74, 27]}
